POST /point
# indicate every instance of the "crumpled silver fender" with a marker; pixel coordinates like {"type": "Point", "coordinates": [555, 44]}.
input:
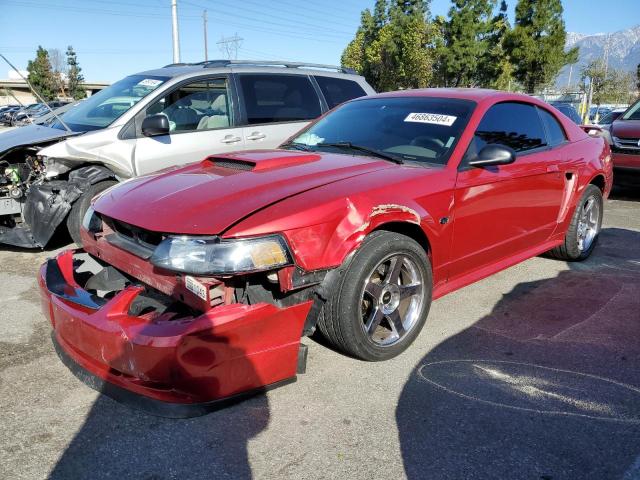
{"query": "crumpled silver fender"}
{"type": "Point", "coordinates": [48, 204]}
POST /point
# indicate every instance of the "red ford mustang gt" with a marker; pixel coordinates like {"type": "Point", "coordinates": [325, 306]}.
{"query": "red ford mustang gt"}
{"type": "Point", "coordinates": [196, 284]}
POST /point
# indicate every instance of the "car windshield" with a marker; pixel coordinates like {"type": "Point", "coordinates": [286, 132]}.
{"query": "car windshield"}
{"type": "Point", "coordinates": [633, 113]}
{"type": "Point", "coordinates": [404, 129]}
{"type": "Point", "coordinates": [103, 108]}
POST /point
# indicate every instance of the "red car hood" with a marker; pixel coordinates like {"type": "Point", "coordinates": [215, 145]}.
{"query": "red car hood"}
{"type": "Point", "coordinates": [626, 128]}
{"type": "Point", "coordinates": [210, 196]}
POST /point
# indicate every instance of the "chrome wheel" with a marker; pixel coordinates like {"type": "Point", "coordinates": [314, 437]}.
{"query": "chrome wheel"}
{"type": "Point", "coordinates": [392, 299]}
{"type": "Point", "coordinates": [588, 223]}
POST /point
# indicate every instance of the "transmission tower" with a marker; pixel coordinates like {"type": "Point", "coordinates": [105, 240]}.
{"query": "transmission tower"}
{"type": "Point", "coordinates": [229, 46]}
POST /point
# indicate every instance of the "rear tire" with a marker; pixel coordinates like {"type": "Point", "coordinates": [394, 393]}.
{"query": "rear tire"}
{"type": "Point", "coordinates": [80, 207]}
{"type": "Point", "coordinates": [584, 228]}
{"type": "Point", "coordinates": [380, 300]}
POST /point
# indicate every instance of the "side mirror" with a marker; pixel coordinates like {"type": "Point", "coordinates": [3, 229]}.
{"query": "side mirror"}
{"type": "Point", "coordinates": [155, 125]}
{"type": "Point", "coordinates": [494, 155]}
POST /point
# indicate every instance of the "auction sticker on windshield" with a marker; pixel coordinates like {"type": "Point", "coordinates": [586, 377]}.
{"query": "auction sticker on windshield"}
{"type": "Point", "coordinates": [149, 82]}
{"type": "Point", "coordinates": [433, 118]}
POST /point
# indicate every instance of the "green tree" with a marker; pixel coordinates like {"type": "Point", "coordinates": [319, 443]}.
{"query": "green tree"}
{"type": "Point", "coordinates": [638, 77]}
{"type": "Point", "coordinates": [74, 76]}
{"type": "Point", "coordinates": [495, 69]}
{"type": "Point", "coordinates": [466, 42]}
{"type": "Point", "coordinates": [607, 85]}
{"type": "Point", "coordinates": [536, 43]}
{"type": "Point", "coordinates": [393, 47]}
{"type": "Point", "coordinates": [41, 76]}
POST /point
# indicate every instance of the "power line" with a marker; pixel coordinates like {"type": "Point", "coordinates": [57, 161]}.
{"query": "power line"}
{"type": "Point", "coordinates": [92, 10]}
{"type": "Point", "coordinates": [263, 22]}
{"type": "Point", "coordinates": [297, 22]}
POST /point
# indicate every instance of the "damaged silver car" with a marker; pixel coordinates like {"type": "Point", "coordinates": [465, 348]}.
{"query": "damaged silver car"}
{"type": "Point", "coordinates": [157, 119]}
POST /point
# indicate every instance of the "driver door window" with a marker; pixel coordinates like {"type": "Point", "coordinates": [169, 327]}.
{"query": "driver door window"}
{"type": "Point", "coordinates": [503, 210]}
{"type": "Point", "coordinates": [201, 124]}
{"type": "Point", "coordinates": [203, 105]}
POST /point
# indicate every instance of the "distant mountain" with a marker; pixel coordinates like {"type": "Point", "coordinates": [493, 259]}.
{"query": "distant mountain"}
{"type": "Point", "coordinates": [623, 51]}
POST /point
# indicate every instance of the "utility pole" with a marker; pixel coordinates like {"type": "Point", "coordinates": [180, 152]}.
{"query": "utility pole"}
{"type": "Point", "coordinates": [204, 19]}
{"type": "Point", "coordinates": [176, 37]}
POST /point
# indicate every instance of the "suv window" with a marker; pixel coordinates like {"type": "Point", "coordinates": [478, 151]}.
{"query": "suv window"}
{"type": "Point", "coordinates": [202, 105]}
{"type": "Point", "coordinates": [516, 125]}
{"type": "Point", "coordinates": [339, 90]}
{"type": "Point", "coordinates": [555, 132]}
{"type": "Point", "coordinates": [279, 98]}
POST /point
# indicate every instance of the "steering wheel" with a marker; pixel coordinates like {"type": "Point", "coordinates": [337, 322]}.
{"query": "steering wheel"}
{"type": "Point", "coordinates": [434, 144]}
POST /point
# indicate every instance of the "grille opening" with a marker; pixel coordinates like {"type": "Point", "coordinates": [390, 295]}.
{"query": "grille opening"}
{"type": "Point", "coordinates": [135, 234]}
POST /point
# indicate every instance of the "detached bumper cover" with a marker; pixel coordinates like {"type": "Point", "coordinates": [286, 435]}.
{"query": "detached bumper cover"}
{"type": "Point", "coordinates": [176, 368]}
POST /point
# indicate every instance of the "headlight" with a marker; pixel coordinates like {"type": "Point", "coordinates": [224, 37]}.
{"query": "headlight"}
{"type": "Point", "coordinates": [91, 222]}
{"type": "Point", "coordinates": [212, 255]}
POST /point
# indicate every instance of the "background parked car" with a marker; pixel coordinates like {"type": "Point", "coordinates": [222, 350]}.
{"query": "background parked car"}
{"type": "Point", "coordinates": [4, 108]}
{"type": "Point", "coordinates": [7, 114]}
{"type": "Point", "coordinates": [23, 118]}
{"type": "Point", "coordinates": [609, 118]}
{"type": "Point", "coordinates": [173, 115]}
{"type": "Point", "coordinates": [569, 110]}
{"type": "Point", "coordinates": [625, 145]}
{"type": "Point", "coordinates": [596, 113]}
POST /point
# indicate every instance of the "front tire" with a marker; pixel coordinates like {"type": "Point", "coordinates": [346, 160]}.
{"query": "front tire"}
{"type": "Point", "coordinates": [80, 207]}
{"type": "Point", "coordinates": [381, 299]}
{"type": "Point", "coordinates": [584, 228]}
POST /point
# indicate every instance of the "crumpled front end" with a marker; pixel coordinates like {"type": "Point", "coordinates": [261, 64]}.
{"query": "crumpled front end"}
{"type": "Point", "coordinates": [46, 205]}
{"type": "Point", "coordinates": [142, 347]}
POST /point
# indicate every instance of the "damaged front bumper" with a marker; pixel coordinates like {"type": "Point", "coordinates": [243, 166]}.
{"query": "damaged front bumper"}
{"type": "Point", "coordinates": [173, 365]}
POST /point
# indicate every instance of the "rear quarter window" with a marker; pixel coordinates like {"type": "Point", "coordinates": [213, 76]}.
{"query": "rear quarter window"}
{"type": "Point", "coordinates": [279, 98]}
{"type": "Point", "coordinates": [339, 90]}
{"type": "Point", "coordinates": [555, 132]}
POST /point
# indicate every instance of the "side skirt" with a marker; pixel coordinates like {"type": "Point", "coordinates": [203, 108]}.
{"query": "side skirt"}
{"type": "Point", "coordinates": [486, 271]}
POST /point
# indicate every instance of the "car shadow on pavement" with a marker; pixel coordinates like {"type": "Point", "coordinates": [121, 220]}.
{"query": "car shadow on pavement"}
{"type": "Point", "coordinates": [116, 441]}
{"type": "Point", "coordinates": [547, 386]}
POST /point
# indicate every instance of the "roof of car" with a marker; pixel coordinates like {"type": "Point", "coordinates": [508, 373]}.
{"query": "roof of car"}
{"type": "Point", "coordinates": [186, 69]}
{"type": "Point", "coordinates": [476, 94]}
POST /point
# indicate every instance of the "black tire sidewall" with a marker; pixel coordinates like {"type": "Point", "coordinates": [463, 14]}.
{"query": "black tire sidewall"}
{"type": "Point", "coordinates": [80, 207]}
{"type": "Point", "coordinates": [347, 306]}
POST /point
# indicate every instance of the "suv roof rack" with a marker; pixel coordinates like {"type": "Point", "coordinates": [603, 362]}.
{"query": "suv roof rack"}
{"type": "Point", "coordinates": [265, 63]}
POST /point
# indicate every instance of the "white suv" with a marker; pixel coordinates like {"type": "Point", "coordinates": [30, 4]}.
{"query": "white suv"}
{"type": "Point", "coordinates": [170, 116]}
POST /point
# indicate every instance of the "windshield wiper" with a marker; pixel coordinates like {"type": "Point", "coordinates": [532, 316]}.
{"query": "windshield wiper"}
{"type": "Point", "coordinates": [297, 146]}
{"type": "Point", "coordinates": [369, 151]}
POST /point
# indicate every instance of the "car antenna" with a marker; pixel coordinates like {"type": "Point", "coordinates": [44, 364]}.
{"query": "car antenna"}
{"type": "Point", "coordinates": [33, 90]}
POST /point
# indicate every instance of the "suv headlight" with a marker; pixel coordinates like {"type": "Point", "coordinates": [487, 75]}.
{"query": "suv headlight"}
{"type": "Point", "coordinates": [215, 256]}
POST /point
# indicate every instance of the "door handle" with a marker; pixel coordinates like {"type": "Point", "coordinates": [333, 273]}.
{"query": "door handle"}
{"type": "Point", "coordinates": [230, 139]}
{"type": "Point", "coordinates": [256, 136]}
{"type": "Point", "coordinates": [553, 169]}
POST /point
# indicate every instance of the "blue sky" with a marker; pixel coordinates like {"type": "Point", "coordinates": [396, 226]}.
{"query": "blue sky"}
{"type": "Point", "coordinates": [115, 38]}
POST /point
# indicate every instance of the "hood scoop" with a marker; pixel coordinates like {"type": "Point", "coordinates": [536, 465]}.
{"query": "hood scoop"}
{"type": "Point", "coordinates": [232, 164]}
{"type": "Point", "coordinates": [257, 163]}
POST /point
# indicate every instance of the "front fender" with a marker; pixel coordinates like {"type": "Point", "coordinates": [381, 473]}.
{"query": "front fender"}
{"type": "Point", "coordinates": [328, 244]}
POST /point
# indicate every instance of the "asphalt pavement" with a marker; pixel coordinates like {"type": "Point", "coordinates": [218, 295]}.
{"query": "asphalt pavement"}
{"type": "Point", "coordinates": [530, 374]}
